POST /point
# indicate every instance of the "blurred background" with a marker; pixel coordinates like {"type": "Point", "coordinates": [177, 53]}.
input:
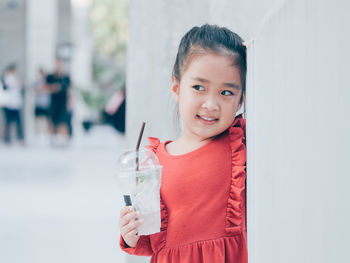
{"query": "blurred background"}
{"type": "Point", "coordinates": [81, 60]}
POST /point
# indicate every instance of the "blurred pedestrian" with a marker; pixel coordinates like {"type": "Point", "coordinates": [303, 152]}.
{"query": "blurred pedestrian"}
{"type": "Point", "coordinates": [114, 111]}
{"type": "Point", "coordinates": [58, 85]}
{"type": "Point", "coordinates": [42, 105]}
{"type": "Point", "coordinates": [12, 102]}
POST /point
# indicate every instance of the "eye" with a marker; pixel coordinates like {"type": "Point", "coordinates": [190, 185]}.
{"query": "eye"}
{"type": "Point", "coordinates": [227, 93]}
{"type": "Point", "coordinates": [198, 87]}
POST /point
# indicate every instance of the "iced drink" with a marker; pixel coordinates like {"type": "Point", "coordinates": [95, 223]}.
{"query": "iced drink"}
{"type": "Point", "coordinates": [140, 185]}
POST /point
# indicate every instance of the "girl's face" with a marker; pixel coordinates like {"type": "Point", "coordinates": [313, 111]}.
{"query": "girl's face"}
{"type": "Point", "coordinates": [208, 95]}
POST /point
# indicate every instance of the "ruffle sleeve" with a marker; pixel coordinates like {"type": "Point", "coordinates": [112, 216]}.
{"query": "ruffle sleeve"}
{"type": "Point", "coordinates": [142, 248]}
{"type": "Point", "coordinates": [235, 214]}
{"type": "Point", "coordinates": [158, 239]}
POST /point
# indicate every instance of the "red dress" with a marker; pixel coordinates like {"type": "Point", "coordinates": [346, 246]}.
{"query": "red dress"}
{"type": "Point", "coordinates": [203, 203]}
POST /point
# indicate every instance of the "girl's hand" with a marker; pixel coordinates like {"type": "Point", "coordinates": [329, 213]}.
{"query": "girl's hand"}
{"type": "Point", "coordinates": [128, 223]}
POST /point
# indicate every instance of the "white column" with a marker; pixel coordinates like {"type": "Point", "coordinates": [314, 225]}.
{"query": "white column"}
{"type": "Point", "coordinates": [81, 65]}
{"type": "Point", "coordinates": [41, 28]}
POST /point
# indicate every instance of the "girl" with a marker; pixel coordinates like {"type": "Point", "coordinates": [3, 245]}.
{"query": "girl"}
{"type": "Point", "coordinates": [203, 181]}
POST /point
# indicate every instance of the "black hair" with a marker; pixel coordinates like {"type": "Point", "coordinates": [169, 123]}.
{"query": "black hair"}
{"type": "Point", "coordinates": [211, 38]}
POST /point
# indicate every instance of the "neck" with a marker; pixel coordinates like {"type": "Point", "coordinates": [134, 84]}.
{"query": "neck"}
{"type": "Point", "coordinates": [191, 141]}
{"type": "Point", "coordinates": [185, 144]}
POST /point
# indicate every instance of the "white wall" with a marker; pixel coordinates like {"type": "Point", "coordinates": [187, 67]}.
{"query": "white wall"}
{"type": "Point", "coordinates": [298, 135]}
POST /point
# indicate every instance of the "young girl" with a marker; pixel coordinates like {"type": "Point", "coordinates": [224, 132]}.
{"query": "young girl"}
{"type": "Point", "coordinates": [203, 204]}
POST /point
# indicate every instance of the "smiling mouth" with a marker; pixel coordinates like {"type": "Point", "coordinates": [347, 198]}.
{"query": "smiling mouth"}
{"type": "Point", "coordinates": [207, 120]}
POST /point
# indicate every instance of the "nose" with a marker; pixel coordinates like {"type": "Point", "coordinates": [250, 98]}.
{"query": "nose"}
{"type": "Point", "coordinates": [210, 104]}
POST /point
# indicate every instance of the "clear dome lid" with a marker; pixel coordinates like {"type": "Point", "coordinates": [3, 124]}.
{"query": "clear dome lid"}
{"type": "Point", "coordinates": [146, 159]}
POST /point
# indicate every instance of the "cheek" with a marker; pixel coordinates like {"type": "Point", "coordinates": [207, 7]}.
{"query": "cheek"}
{"type": "Point", "coordinates": [187, 99]}
{"type": "Point", "coordinates": [230, 109]}
{"type": "Point", "coordinates": [183, 106]}
{"type": "Point", "coordinates": [188, 106]}
{"type": "Point", "coordinates": [230, 103]}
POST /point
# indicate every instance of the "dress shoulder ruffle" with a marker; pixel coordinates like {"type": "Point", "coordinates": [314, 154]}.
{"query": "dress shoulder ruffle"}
{"type": "Point", "coordinates": [153, 144]}
{"type": "Point", "coordinates": [236, 200]}
{"type": "Point", "coordinates": [158, 239]}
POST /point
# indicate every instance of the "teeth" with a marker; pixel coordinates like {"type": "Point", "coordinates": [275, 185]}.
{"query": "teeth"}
{"type": "Point", "coordinates": [207, 119]}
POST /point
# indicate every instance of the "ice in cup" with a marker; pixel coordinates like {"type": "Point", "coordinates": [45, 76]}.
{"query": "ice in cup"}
{"type": "Point", "coordinates": [139, 174]}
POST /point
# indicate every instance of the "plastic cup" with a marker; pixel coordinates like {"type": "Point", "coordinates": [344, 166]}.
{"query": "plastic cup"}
{"type": "Point", "coordinates": [141, 188]}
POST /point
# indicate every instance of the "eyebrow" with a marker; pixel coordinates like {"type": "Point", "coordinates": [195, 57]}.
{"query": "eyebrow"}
{"type": "Point", "coordinates": [229, 84]}
{"type": "Point", "coordinates": [232, 85]}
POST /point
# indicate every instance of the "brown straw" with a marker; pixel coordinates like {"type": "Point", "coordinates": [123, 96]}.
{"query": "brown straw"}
{"type": "Point", "coordinates": [138, 145]}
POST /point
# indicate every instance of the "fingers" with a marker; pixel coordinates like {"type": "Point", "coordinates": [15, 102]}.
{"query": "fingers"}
{"type": "Point", "coordinates": [131, 234]}
{"type": "Point", "coordinates": [128, 224]}
{"type": "Point", "coordinates": [126, 214]}
{"type": "Point", "coordinates": [126, 210]}
{"type": "Point", "coordinates": [130, 228]}
{"type": "Point", "coordinates": [127, 218]}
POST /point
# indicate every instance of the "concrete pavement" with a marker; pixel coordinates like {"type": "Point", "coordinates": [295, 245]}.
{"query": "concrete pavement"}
{"type": "Point", "coordinates": [61, 205]}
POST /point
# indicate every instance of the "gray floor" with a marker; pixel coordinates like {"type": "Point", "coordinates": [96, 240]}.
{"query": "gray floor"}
{"type": "Point", "coordinates": [61, 205]}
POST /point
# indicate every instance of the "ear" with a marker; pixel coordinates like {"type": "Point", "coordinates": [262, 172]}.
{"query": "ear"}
{"type": "Point", "coordinates": [175, 88]}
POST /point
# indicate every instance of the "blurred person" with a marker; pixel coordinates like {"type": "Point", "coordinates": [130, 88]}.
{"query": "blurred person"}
{"type": "Point", "coordinates": [69, 113]}
{"type": "Point", "coordinates": [12, 102]}
{"type": "Point", "coordinates": [42, 105]}
{"type": "Point", "coordinates": [58, 85]}
{"type": "Point", "coordinates": [114, 112]}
